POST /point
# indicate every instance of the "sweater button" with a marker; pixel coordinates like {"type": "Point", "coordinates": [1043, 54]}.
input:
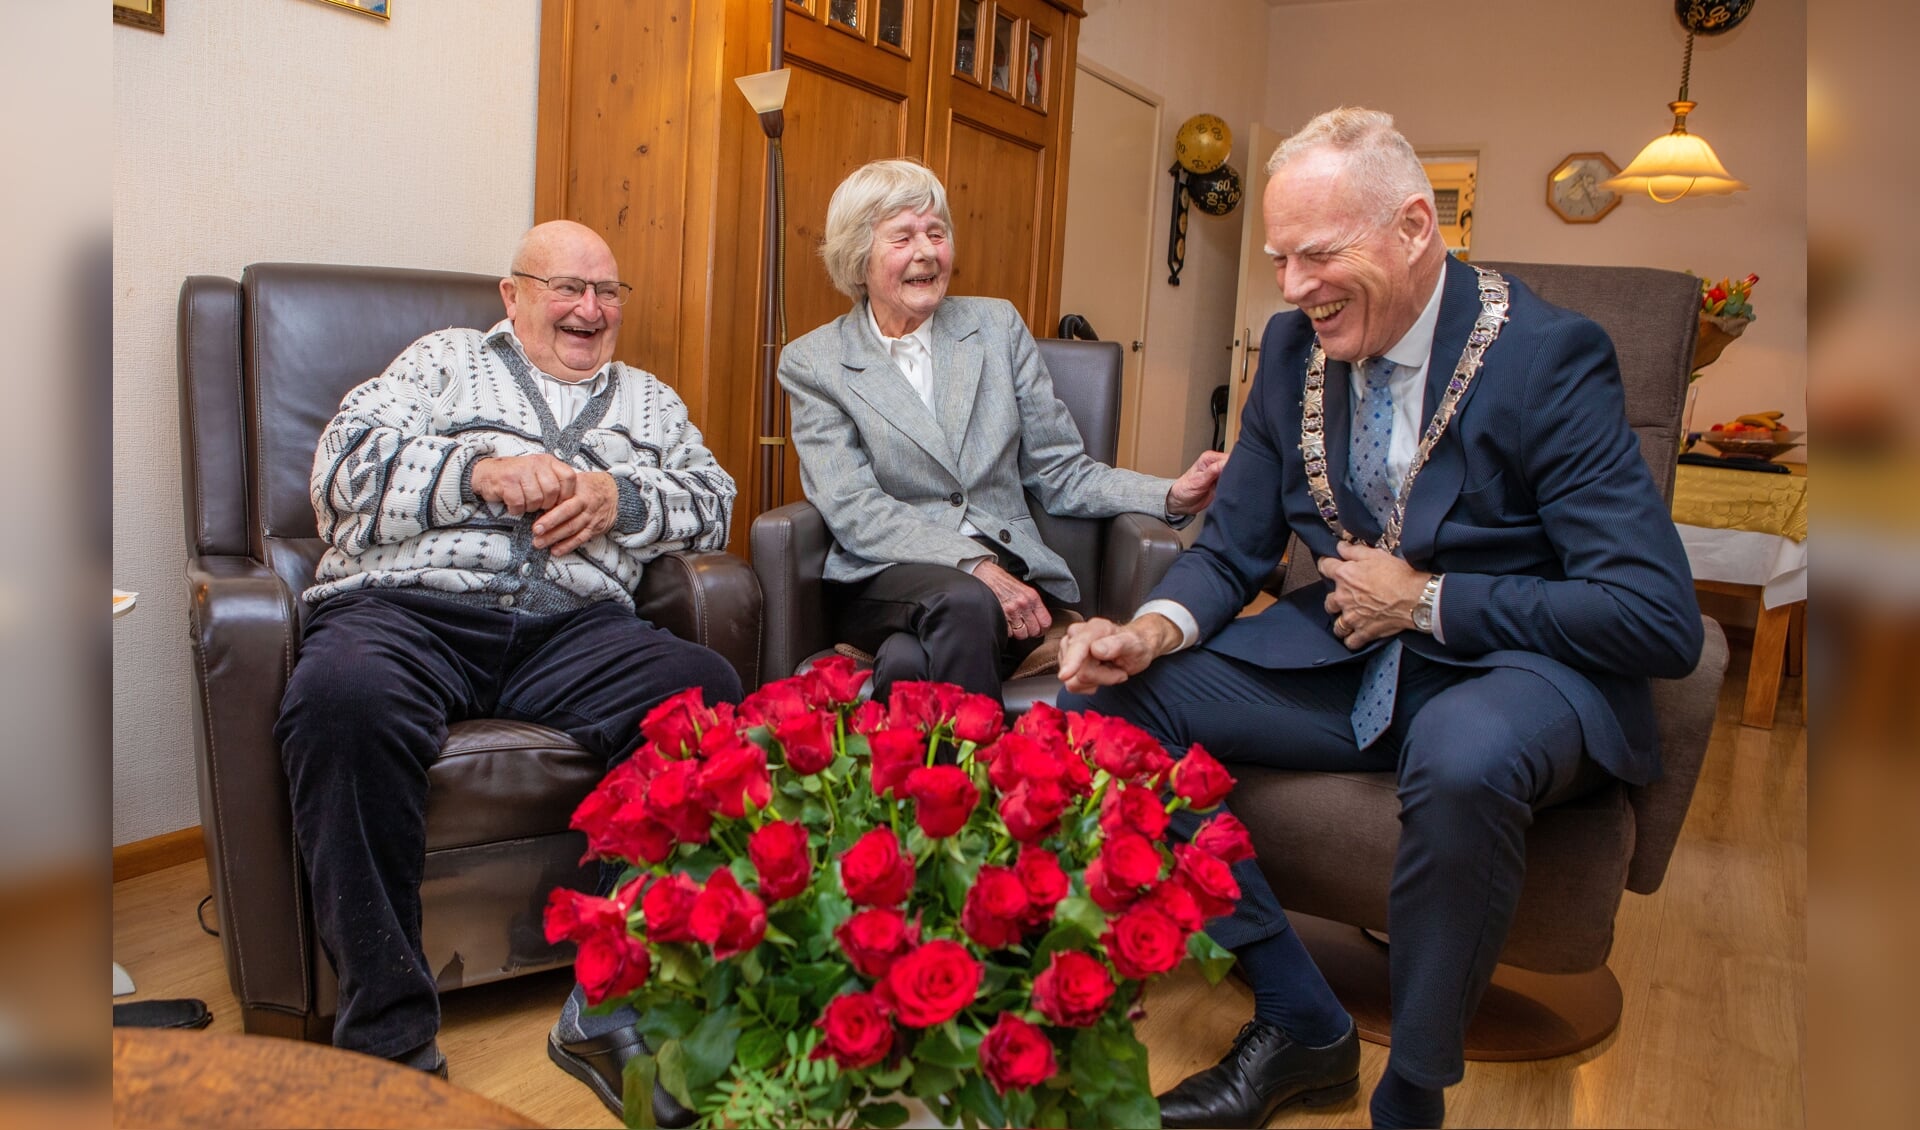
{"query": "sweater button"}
{"type": "Point", "coordinates": [1005, 537]}
{"type": "Point", "coordinates": [506, 602]}
{"type": "Point", "coordinates": [955, 498]}
{"type": "Point", "coordinates": [526, 568]}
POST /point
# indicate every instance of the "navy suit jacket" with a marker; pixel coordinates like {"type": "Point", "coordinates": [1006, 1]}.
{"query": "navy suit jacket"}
{"type": "Point", "coordinates": [1560, 555]}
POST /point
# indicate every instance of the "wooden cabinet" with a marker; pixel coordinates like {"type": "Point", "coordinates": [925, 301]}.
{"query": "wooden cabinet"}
{"type": "Point", "coordinates": [644, 137]}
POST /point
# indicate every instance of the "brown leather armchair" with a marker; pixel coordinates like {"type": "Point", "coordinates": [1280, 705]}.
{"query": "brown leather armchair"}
{"type": "Point", "coordinates": [1116, 561]}
{"type": "Point", "coordinates": [1327, 840]}
{"type": "Point", "coordinates": [263, 365]}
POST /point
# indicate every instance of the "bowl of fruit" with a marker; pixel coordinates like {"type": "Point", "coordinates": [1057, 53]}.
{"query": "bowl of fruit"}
{"type": "Point", "coordinates": [1754, 435]}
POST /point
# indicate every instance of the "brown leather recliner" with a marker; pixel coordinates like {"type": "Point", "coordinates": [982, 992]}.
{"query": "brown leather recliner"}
{"type": "Point", "coordinates": [263, 365]}
{"type": "Point", "coordinates": [1327, 840]}
{"type": "Point", "coordinates": [1116, 561]}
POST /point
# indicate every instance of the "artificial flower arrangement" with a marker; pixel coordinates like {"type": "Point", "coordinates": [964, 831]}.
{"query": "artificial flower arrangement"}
{"type": "Point", "coordinates": [1726, 309]}
{"type": "Point", "coordinates": [830, 905]}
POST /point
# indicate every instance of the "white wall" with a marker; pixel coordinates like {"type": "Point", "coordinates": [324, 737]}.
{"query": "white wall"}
{"type": "Point", "coordinates": [1528, 83]}
{"type": "Point", "coordinates": [1201, 56]}
{"type": "Point", "coordinates": [261, 130]}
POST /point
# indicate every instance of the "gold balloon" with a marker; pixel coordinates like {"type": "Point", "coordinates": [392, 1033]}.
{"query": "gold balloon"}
{"type": "Point", "coordinates": [1203, 144]}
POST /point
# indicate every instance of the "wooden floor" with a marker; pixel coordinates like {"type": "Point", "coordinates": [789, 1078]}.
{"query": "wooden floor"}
{"type": "Point", "coordinates": [1713, 967]}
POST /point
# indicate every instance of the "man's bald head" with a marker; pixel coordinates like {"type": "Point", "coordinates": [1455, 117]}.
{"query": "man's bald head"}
{"type": "Point", "coordinates": [569, 339]}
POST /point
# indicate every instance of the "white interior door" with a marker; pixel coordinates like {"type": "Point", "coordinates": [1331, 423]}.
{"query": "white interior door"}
{"type": "Point", "coordinates": [1259, 298]}
{"type": "Point", "coordinates": [1109, 254]}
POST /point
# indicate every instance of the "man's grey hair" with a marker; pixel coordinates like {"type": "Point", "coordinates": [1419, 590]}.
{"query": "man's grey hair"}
{"type": "Point", "coordinates": [1380, 163]}
{"type": "Point", "coordinates": [872, 194]}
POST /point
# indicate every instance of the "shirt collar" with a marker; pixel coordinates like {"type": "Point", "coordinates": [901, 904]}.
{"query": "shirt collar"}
{"type": "Point", "coordinates": [593, 385]}
{"type": "Point", "coordinates": [1413, 349]}
{"type": "Point", "coordinates": [922, 334]}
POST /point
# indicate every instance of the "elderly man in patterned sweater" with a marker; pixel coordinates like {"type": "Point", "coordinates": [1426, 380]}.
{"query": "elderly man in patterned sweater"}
{"type": "Point", "coordinates": [490, 502]}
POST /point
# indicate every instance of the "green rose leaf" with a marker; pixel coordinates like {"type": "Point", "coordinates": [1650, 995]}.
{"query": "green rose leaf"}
{"type": "Point", "coordinates": [636, 1087]}
{"type": "Point", "coordinates": [759, 1048]}
{"type": "Point", "coordinates": [709, 1048]}
{"type": "Point", "coordinates": [1214, 959]}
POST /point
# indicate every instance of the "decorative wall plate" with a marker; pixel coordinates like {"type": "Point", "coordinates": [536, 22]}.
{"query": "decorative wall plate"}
{"type": "Point", "coordinates": [1573, 188]}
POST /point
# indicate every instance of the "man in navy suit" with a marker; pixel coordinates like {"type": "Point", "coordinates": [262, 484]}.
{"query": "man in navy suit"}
{"type": "Point", "coordinates": [1500, 579]}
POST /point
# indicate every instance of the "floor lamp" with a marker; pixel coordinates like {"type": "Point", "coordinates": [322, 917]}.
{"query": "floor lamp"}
{"type": "Point", "coordinates": [767, 93]}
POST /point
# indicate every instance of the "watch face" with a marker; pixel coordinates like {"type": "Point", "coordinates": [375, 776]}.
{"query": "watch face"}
{"type": "Point", "coordinates": [1574, 191]}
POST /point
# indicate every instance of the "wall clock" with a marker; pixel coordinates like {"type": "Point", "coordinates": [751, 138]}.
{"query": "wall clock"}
{"type": "Point", "coordinates": [1573, 188]}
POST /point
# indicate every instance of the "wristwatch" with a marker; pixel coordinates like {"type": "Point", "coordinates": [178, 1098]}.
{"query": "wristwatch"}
{"type": "Point", "coordinates": [1429, 603]}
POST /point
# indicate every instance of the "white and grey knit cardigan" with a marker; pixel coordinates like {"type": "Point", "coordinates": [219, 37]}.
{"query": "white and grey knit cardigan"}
{"type": "Point", "coordinates": [392, 479]}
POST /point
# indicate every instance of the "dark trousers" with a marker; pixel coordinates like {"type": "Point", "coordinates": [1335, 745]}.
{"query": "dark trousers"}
{"type": "Point", "coordinates": [379, 678]}
{"type": "Point", "coordinates": [1477, 751]}
{"type": "Point", "coordinates": [928, 622]}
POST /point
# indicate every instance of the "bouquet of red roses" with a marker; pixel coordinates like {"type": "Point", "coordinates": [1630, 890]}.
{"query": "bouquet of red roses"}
{"type": "Point", "coordinates": [830, 905]}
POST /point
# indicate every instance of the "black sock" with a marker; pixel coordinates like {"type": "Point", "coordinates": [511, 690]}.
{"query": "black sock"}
{"type": "Point", "coordinates": [1289, 992]}
{"type": "Point", "coordinates": [1398, 1103]}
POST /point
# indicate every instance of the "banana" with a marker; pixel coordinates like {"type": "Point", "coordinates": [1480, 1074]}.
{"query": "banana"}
{"type": "Point", "coordinates": [1769, 419]}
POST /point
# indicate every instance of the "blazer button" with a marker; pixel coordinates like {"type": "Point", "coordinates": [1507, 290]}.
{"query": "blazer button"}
{"type": "Point", "coordinates": [1005, 537]}
{"type": "Point", "coordinates": [955, 498]}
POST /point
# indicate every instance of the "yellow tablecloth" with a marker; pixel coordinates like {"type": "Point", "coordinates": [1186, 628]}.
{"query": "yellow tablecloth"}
{"type": "Point", "coordinates": [1718, 498]}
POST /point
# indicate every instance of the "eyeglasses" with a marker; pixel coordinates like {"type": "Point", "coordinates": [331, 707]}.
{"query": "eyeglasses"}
{"type": "Point", "coordinates": [609, 293]}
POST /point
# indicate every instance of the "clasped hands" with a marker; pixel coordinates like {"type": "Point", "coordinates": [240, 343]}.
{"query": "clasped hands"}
{"type": "Point", "coordinates": [579, 505]}
{"type": "Point", "coordinates": [1374, 594]}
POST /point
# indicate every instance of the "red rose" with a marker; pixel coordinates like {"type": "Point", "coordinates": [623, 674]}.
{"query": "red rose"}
{"type": "Point", "coordinates": [996, 908]}
{"type": "Point", "coordinates": [834, 682]}
{"type": "Point", "coordinates": [1133, 808]}
{"type": "Point", "coordinates": [1225, 839]}
{"type": "Point", "coordinates": [668, 905]}
{"type": "Point", "coordinates": [855, 1031]}
{"type": "Point", "coordinates": [932, 984]}
{"type": "Point", "coordinates": [615, 820]}
{"type": "Point", "coordinates": [943, 797]}
{"type": "Point", "coordinates": [1128, 863]}
{"type": "Point", "coordinates": [727, 916]}
{"type": "Point", "coordinates": [735, 773]}
{"type": "Point", "coordinates": [867, 717]}
{"type": "Point", "coordinates": [676, 724]}
{"type": "Point", "coordinates": [1202, 780]}
{"type": "Point", "coordinates": [779, 853]}
{"type": "Point", "coordinates": [1015, 1055]}
{"type": "Point", "coordinates": [1032, 810]}
{"type": "Point", "coordinates": [773, 704]}
{"type": "Point", "coordinates": [610, 967]}
{"type": "Point", "coordinates": [1117, 745]}
{"type": "Point", "coordinates": [675, 800]}
{"type": "Point", "coordinates": [1174, 899]}
{"type": "Point", "coordinates": [921, 706]}
{"type": "Point", "coordinates": [894, 754]}
{"type": "Point", "coordinates": [978, 719]}
{"type": "Point", "coordinates": [1210, 880]}
{"type": "Point", "coordinates": [873, 938]}
{"type": "Point", "coordinates": [1073, 990]}
{"type": "Point", "coordinates": [1046, 884]}
{"type": "Point", "coordinates": [572, 916]}
{"type": "Point", "coordinates": [875, 872]}
{"type": "Point", "coordinates": [808, 742]}
{"type": "Point", "coordinates": [1043, 720]}
{"type": "Point", "coordinates": [1143, 942]}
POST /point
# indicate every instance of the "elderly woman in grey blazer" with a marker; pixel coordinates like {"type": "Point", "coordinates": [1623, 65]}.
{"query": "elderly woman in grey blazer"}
{"type": "Point", "coordinates": [920, 420]}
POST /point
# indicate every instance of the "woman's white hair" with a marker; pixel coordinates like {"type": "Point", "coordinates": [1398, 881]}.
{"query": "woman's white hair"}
{"type": "Point", "coordinates": [872, 194]}
{"type": "Point", "coordinates": [1380, 163]}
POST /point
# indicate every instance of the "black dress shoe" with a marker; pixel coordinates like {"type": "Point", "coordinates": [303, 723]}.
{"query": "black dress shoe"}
{"type": "Point", "coordinates": [1264, 1071]}
{"type": "Point", "coordinates": [601, 1062]}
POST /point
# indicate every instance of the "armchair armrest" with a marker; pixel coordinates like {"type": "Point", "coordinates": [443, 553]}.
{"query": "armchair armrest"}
{"type": "Point", "coordinates": [1138, 552]}
{"type": "Point", "coordinates": [243, 628]}
{"type": "Point", "coordinates": [712, 599]}
{"type": "Point", "coordinates": [789, 545]}
{"type": "Point", "coordinates": [1683, 709]}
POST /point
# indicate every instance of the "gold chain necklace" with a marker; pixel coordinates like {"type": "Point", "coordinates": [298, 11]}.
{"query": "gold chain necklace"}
{"type": "Point", "coordinates": [1313, 423]}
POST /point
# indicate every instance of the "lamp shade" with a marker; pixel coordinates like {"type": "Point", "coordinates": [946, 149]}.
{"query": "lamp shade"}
{"type": "Point", "coordinates": [1675, 165]}
{"type": "Point", "coordinates": [766, 91]}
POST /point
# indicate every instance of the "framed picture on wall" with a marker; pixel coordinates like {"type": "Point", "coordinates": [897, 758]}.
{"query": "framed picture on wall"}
{"type": "Point", "coordinates": [148, 14]}
{"type": "Point", "coordinates": [366, 7]}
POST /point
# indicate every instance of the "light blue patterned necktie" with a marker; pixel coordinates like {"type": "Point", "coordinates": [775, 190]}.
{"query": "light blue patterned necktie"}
{"type": "Point", "coordinates": [1367, 474]}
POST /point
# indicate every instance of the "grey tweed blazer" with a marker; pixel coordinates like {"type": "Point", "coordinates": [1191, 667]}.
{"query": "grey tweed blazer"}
{"type": "Point", "coordinates": [895, 480]}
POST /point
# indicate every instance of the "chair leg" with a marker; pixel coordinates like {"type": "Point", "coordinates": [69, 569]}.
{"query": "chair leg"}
{"type": "Point", "coordinates": [1523, 1016]}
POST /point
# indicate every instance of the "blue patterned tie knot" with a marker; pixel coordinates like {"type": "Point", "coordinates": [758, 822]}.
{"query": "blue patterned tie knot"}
{"type": "Point", "coordinates": [1367, 474]}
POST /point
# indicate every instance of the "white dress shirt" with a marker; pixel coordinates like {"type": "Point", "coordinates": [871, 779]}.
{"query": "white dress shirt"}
{"type": "Point", "coordinates": [1408, 384]}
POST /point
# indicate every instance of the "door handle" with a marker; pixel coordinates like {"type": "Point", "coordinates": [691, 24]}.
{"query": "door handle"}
{"type": "Point", "coordinates": [1138, 345]}
{"type": "Point", "coordinates": [1246, 358]}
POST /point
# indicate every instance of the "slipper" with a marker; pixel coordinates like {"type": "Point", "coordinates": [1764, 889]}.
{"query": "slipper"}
{"type": "Point", "coordinates": [601, 1063]}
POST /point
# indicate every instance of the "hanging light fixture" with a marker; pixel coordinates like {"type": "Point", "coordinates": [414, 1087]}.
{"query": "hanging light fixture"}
{"type": "Point", "coordinates": [1679, 163]}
